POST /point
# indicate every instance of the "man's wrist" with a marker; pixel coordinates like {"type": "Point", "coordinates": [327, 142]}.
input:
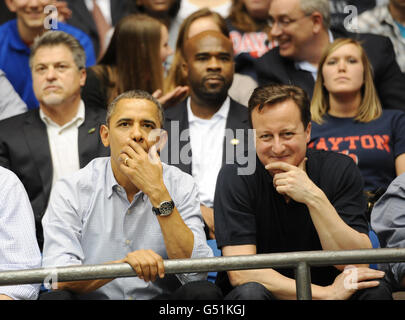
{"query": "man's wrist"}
{"type": "Point", "coordinates": [316, 197]}
{"type": "Point", "coordinates": [158, 195]}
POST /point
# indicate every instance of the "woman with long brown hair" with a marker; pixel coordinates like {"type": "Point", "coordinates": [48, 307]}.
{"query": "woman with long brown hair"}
{"type": "Point", "coordinates": [250, 33]}
{"type": "Point", "coordinates": [133, 60]}
{"type": "Point", "coordinates": [347, 116]}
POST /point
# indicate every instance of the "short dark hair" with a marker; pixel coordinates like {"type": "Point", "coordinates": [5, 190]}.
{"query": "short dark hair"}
{"type": "Point", "coordinates": [135, 94]}
{"type": "Point", "coordinates": [276, 93]}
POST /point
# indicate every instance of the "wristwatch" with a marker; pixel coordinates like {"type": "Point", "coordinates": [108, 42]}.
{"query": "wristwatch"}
{"type": "Point", "coordinates": [165, 208]}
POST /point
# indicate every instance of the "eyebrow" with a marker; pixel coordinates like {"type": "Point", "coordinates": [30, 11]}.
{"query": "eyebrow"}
{"type": "Point", "coordinates": [149, 122]}
{"type": "Point", "coordinates": [53, 62]}
{"type": "Point", "coordinates": [132, 120]}
{"type": "Point", "coordinates": [216, 53]}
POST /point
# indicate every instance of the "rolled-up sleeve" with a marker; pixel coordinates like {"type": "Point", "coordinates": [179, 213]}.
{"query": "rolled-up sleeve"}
{"type": "Point", "coordinates": [62, 227]}
{"type": "Point", "coordinates": [18, 245]}
{"type": "Point", "coordinates": [388, 221]}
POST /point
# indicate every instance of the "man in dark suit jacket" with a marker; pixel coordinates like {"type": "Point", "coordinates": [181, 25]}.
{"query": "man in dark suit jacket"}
{"type": "Point", "coordinates": [208, 129]}
{"type": "Point", "coordinates": [303, 34]}
{"type": "Point", "coordinates": [83, 19]}
{"type": "Point", "coordinates": [29, 142]}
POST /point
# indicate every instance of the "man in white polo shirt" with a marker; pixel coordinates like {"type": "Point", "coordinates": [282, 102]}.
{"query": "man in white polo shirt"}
{"type": "Point", "coordinates": [209, 124]}
{"type": "Point", "coordinates": [60, 137]}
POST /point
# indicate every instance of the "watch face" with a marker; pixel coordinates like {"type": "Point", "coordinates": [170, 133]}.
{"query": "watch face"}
{"type": "Point", "coordinates": [166, 208]}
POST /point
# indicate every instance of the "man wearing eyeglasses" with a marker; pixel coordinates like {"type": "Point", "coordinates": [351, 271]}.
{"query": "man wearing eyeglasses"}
{"type": "Point", "coordinates": [302, 30]}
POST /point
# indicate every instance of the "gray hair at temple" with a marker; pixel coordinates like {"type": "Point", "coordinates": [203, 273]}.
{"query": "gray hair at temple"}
{"type": "Point", "coordinates": [135, 94]}
{"type": "Point", "coordinates": [56, 38]}
{"type": "Point", "coordinates": [322, 6]}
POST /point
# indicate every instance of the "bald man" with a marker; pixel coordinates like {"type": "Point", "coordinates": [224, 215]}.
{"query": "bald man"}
{"type": "Point", "coordinates": [195, 125]}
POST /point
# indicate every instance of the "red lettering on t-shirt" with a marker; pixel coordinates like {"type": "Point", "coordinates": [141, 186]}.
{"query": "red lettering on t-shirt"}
{"type": "Point", "coordinates": [352, 145]}
{"type": "Point", "coordinates": [335, 143]}
{"type": "Point", "coordinates": [382, 142]}
{"type": "Point", "coordinates": [236, 40]}
{"type": "Point", "coordinates": [321, 145]}
{"type": "Point", "coordinates": [367, 142]}
{"type": "Point", "coordinates": [252, 42]}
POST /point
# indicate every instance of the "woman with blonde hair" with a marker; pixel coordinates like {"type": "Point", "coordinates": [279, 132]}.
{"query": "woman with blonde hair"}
{"type": "Point", "coordinates": [133, 60]}
{"type": "Point", "coordinates": [347, 116]}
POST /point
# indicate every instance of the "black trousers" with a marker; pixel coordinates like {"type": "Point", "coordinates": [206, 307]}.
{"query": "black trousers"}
{"type": "Point", "coordinates": [196, 290]}
{"type": "Point", "coordinates": [256, 291]}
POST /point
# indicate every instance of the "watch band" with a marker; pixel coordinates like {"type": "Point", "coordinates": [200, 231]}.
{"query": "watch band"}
{"type": "Point", "coordinates": [165, 208]}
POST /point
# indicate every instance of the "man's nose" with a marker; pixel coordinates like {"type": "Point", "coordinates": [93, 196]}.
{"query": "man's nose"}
{"type": "Point", "coordinates": [278, 146]}
{"type": "Point", "coordinates": [51, 73]}
{"type": "Point", "coordinates": [34, 3]}
{"type": "Point", "coordinates": [275, 29]}
{"type": "Point", "coordinates": [213, 64]}
{"type": "Point", "coordinates": [137, 134]}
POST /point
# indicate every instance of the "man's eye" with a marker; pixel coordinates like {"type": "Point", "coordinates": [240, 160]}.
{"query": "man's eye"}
{"type": "Point", "coordinates": [285, 22]}
{"type": "Point", "coordinates": [201, 58]}
{"type": "Point", "coordinates": [288, 135]}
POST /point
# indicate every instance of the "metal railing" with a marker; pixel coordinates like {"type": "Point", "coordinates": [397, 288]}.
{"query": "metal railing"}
{"type": "Point", "coordinates": [302, 262]}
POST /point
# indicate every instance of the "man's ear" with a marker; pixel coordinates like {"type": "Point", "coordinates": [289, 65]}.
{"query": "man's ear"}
{"type": "Point", "coordinates": [317, 21]}
{"type": "Point", "coordinates": [308, 132]}
{"type": "Point", "coordinates": [11, 5]}
{"type": "Point", "coordinates": [104, 135]}
{"type": "Point", "coordinates": [184, 68]}
{"type": "Point", "coordinates": [83, 76]}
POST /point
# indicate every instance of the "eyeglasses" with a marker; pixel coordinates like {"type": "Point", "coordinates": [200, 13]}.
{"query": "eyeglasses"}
{"type": "Point", "coordinates": [284, 22]}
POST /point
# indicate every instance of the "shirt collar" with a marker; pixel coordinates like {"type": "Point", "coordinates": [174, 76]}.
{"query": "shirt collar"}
{"type": "Point", "coordinates": [111, 182]}
{"type": "Point", "coordinates": [221, 113]}
{"type": "Point", "coordinates": [78, 119]}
